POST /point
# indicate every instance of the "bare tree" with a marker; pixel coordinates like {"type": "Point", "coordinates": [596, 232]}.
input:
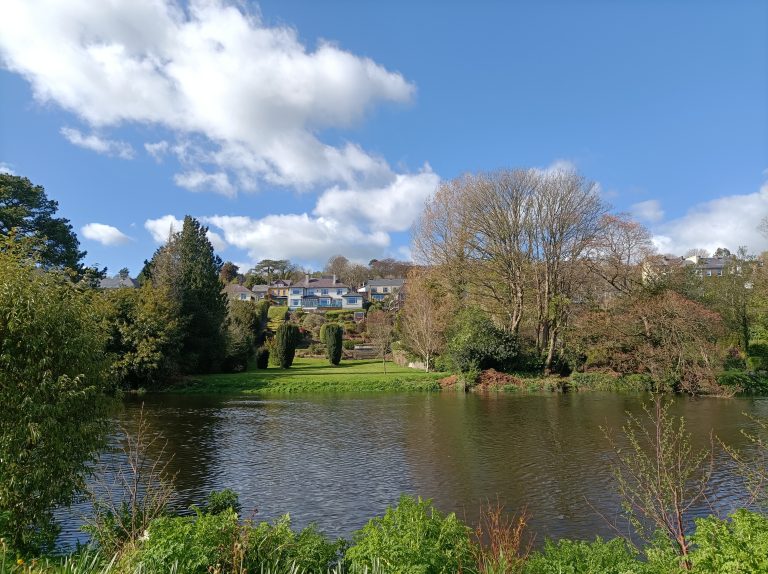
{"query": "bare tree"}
{"type": "Point", "coordinates": [355, 276]}
{"type": "Point", "coordinates": [425, 316]}
{"type": "Point", "coordinates": [337, 265]}
{"type": "Point", "coordinates": [567, 216]}
{"type": "Point", "coordinates": [380, 330]}
{"type": "Point", "coordinates": [617, 253]}
{"type": "Point", "coordinates": [697, 252]}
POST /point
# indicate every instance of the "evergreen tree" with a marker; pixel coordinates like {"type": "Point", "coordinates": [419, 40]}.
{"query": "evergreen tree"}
{"type": "Point", "coordinates": [188, 268]}
{"type": "Point", "coordinates": [333, 345]}
{"type": "Point", "coordinates": [286, 339]}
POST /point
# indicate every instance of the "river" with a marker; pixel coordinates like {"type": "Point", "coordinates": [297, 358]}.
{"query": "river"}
{"type": "Point", "coordinates": [339, 460]}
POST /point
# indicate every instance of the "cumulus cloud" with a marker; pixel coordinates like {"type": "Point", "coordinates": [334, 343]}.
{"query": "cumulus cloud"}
{"type": "Point", "coordinates": [649, 211]}
{"type": "Point", "coordinates": [5, 168]}
{"type": "Point", "coordinates": [197, 180]}
{"type": "Point", "coordinates": [730, 222]}
{"type": "Point", "coordinates": [104, 234]}
{"type": "Point", "coordinates": [253, 98]}
{"type": "Point", "coordinates": [163, 227]}
{"type": "Point", "coordinates": [98, 144]}
{"type": "Point", "coordinates": [393, 207]}
{"type": "Point", "coordinates": [299, 237]}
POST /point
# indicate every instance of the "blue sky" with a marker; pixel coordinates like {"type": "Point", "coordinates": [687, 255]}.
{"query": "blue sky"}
{"type": "Point", "coordinates": [306, 129]}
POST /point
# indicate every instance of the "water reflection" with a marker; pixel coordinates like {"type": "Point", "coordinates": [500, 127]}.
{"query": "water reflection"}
{"type": "Point", "coordinates": [339, 460]}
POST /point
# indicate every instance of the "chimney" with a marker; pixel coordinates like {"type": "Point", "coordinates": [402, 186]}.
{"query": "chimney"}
{"type": "Point", "coordinates": [306, 278]}
{"type": "Point", "coordinates": [334, 279]}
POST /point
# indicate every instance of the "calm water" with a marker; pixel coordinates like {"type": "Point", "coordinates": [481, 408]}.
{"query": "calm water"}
{"type": "Point", "coordinates": [339, 460]}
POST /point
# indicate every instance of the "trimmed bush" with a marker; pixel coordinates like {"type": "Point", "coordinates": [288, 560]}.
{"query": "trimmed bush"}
{"type": "Point", "coordinates": [413, 537]}
{"type": "Point", "coordinates": [262, 357]}
{"type": "Point", "coordinates": [333, 345]}
{"type": "Point", "coordinates": [286, 339]}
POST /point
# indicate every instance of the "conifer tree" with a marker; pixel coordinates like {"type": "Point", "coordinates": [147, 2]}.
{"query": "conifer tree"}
{"type": "Point", "coordinates": [333, 344]}
{"type": "Point", "coordinates": [286, 339]}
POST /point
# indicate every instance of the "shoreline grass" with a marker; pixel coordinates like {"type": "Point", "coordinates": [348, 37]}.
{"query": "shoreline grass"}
{"type": "Point", "coordinates": [308, 375]}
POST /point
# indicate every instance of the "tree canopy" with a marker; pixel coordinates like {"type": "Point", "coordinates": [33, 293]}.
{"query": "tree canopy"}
{"type": "Point", "coordinates": [26, 210]}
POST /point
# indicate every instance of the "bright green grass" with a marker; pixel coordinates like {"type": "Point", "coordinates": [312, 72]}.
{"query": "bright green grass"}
{"type": "Point", "coordinates": [316, 375]}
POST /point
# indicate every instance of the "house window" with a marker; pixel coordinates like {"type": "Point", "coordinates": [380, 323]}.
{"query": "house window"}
{"type": "Point", "coordinates": [295, 302]}
{"type": "Point", "coordinates": [352, 301]}
{"type": "Point", "coordinates": [297, 291]}
{"type": "Point", "coordinates": [339, 291]}
{"type": "Point", "coordinates": [243, 296]}
{"type": "Point", "coordinates": [386, 289]}
{"type": "Point", "coordinates": [324, 292]}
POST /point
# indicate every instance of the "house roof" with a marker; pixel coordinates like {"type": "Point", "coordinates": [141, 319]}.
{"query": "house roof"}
{"type": "Point", "coordinates": [386, 282]}
{"type": "Point", "coordinates": [117, 282]}
{"type": "Point", "coordinates": [234, 289]}
{"type": "Point", "coordinates": [260, 288]}
{"type": "Point", "coordinates": [321, 282]}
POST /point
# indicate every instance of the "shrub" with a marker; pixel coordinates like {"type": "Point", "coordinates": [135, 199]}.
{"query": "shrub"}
{"type": "Point", "coordinates": [262, 357]}
{"type": "Point", "coordinates": [474, 342]}
{"type": "Point", "coordinates": [189, 544]}
{"type": "Point", "coordinates": [277, 544]}
{"type": "Point", "coordinates": [286, 339]}
{"type": "Point", "coordinates": [221, 501]}
{"type": "Point", "coordinates": [736, 546]}
{"type": "Point", "coordinates": [277, 313]}
{"type": "Point", "coordinates": [333, 335]}
{"type": "Point", "coordinates": [581, 557]}
{"type": "Point", "coordinates": [757, 357]}
{"type": "Point", "coordinates": [746, 382]}
{"type": "Point", "coordinates": [53, 379]}
{"type": "Point", "coordinates": [349, 344]}
{"type": "Point", "coordinates": [323, 332]}
{"type": "Point", "coordinates": [413, 537]}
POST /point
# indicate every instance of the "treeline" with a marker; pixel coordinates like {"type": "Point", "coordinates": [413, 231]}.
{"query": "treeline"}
{"type": "Point", "coordinates": [528, 270]}
{"type": "Point", "coordinates": [352, 274]}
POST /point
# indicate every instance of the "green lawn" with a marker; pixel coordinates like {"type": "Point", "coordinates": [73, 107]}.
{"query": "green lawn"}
{"type": "Point", "coordinates": [316, 375]}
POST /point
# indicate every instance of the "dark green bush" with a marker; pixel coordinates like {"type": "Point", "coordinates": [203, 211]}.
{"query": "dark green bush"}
{"type": "Point", "coordinates": [757, 357]}
{"type": "Point", "coordinates": [333, 336]}
{"type": "Point", "coordinates": [349, 344]}
{"type": "Point", "coordinates": [475, 343]}
{"type": "Point", "coordinates": [413, 537]}
{"type": "Point", "coordinates": [286, 339]}
{"type": "Point", "coordinates": [752, 383]}
{"type": "Point", "coordinates": [262, 357]}
{"type": "Point", "coordinates": [580, 557]}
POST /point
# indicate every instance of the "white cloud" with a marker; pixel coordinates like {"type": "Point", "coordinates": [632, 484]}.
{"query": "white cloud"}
{"type": "Point", "coordinates": [5, 168]}
{"type": "Point", "coordinates": [729, 221]}
{"type": "Point", "coordinates": [253, 97]}
{"type": "Point", "coordinates": [200, 181]}
{"type": "Point", "coordinates": [393, 207]}
{"type": "Point", "coordinates": [216, 240]}
{"type": "Point", "coordinates": [163, 227]}
{"type": "Point", "coordinates": [104, 234]}
{"type": "Point", "coordinates": [98, 144]}
{"type": "Point", "coordinates": [299, 237]}
{"type": "Point", "coordinates": [649, 211]}
{"type": "Point", "coordinates": [157, 149]}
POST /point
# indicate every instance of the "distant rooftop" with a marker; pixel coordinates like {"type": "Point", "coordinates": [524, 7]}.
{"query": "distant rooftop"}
{"type": "Point", "coordinates": [117, 282]}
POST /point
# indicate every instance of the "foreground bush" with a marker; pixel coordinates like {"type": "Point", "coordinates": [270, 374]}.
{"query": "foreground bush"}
{"type": "Point", "coordinates": [53, 376]}
{"type": "Point", "coordinates": [415, 538]}
{"type": "Point", "coordinates": [580, 557]}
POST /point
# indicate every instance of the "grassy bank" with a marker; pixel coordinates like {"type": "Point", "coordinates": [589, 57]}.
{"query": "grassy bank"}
{"type": "Point", "coordinates": [316, 375]}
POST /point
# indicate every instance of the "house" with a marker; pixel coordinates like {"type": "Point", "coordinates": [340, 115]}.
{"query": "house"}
{"type": "Point", "coordinates": [380, 289]}
{"type": "Point", "coordinates": [260, 291]}
{"type": "Point", "coordinates": [118, 282]}
{"type": "Point", "coordinates": [278, 291]}
{"type": "Point", "coordinates": [237, 292]}
{"type": "Point", "coordinates": [322, 293]}
{"type": "Point", "coordinates": [657, 267]}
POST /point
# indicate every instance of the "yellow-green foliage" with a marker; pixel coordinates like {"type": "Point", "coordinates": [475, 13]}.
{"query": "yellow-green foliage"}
{"type": "Point", "coordinates": [53, 373]}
